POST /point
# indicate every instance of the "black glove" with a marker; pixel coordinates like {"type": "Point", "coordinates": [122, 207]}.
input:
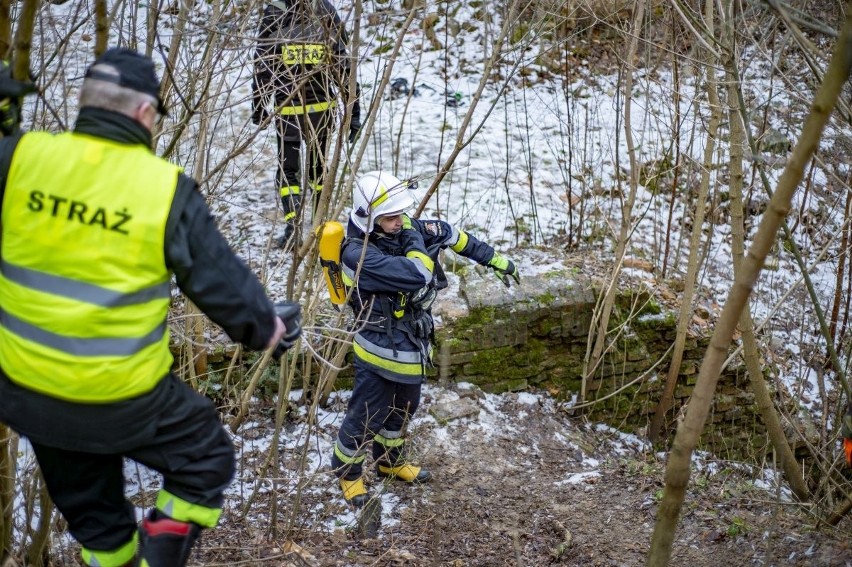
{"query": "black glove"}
{"type": "Point", "coordinates": [355, 122]}
{"type": "Point", "coordinates": [504, 268]}
{"type": "Point", "coordinates": [290, 313]}
{"type": "Point", "coordinates": [259, 114]}
{"type": "Point", "coordinates": [11, 91]}
{"type": "Point", "coordinates": [424, 297]}
{"type": "Point", "coordinates": [10, 116]}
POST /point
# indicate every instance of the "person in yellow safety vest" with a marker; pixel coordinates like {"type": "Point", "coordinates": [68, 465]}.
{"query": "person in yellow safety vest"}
{"type": "Point", "coordinates": [94, 225]}
{"type": "Point", "coordinates": [391, 261]}
{"type": "Point", "coordinates": [300, 66]}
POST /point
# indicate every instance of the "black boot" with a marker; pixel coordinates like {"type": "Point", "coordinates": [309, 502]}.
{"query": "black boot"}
{"type": "Point", "coordinates": [284, 239]}
{"type": "Point", "coordinates": [164, 542]}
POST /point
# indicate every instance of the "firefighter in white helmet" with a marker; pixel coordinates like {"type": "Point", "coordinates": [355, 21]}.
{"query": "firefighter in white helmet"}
{"type": "Point", "coordinates": [394, 287]}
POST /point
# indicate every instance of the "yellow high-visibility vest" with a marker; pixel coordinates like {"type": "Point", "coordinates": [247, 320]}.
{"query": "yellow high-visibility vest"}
{"type": "Point", "coordinates": [84, 288]}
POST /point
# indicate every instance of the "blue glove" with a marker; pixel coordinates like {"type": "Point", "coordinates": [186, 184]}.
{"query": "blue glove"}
{"type": "Point", "coordinates": [504, 268]}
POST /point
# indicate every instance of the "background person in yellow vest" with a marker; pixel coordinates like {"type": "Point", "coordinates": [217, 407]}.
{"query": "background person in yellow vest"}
{"type": "Point", "coordinates": [93, 227]}
{"type": "Point", "coordinates": [398, 277]}
{"type": "Point", "coordinates": [300, 66]}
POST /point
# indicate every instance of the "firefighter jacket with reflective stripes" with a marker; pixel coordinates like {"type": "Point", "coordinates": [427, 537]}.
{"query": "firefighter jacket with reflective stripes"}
{"type": "Point", "coordinates": [300, 58]}
{"type": "Point", "coordinates": [84, 287]}
{"type": "Point", "coordinates": [206, 270]}
{"type": "Point", "coordinates": [394, 337]}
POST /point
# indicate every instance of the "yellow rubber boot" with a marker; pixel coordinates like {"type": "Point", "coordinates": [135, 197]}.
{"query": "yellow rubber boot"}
{"type": "Point", "coordinates": [405, 472]}
{"type": "Point", "coordinates": [354, 491]}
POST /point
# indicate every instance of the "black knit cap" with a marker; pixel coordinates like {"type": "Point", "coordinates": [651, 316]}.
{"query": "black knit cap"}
{"type": "Point", "coordinates": [136, 72]}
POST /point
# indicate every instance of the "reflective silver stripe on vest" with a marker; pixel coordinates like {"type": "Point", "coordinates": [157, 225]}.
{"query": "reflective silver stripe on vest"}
{"type": "Point", "coordinates": [81, 291]}
{"type": "Point", "coordinates": [405, 356]}
{"type": "Point", "coordinates": [82, 346]}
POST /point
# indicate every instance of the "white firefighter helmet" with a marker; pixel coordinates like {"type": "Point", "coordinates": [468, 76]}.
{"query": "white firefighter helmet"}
{"type": "Point", "coordinates": [378, 194]}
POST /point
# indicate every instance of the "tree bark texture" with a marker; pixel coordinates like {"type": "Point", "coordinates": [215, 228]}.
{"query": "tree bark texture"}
{"type": "Point", "coordinates": [24, 40]}
{"type": "Point", "coordinates": [101, 27]}
{"type": "Point", "coordinates": [751, 355]}
{"type": "Point", "coordinates": [678, 466]}
{"type": "Point", "coordinates": [5, 30]}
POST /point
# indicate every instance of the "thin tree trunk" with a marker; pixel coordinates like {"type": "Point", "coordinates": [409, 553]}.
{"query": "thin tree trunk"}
{"type": "Point", "coordinates": [41, 537]}
{"type": "Point", "coordinates": [750, 352]}
{"type": "Point", "coordinates": [24, 40]}
{"type": "Point", "coordinates": [152, 14]}
{"type": "Point", "coordinates": [101, 27]}
{"type": "Point", "coordinates": [794, 249]}
{"type": "Point", "coordinates": [676, 165]}
{"type": "Point", "coordinates": [167, 83]}
{"type": "Point", "coordinates": [685, 317]}
{"type": "Point", "coordinates": [5, 29]}
{"type": "Point", "coordinates": [599, 327]}
{"type": "Point", "coordinates": [678, 467]}
{"type": "Point", "coordinates": [841, 269]}
{"type": "Point", "coordinates": [7, 490]}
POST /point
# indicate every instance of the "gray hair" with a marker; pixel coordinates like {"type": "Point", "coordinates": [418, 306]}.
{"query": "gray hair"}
{"type": "Point", "coordinates": [111, 96]}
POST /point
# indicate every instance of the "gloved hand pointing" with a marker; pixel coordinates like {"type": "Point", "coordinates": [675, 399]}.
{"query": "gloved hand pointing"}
{"type": "Point", "coordinates": [504, 268]}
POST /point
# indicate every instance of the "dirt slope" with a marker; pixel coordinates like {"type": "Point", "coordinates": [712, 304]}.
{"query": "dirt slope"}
{"type": "Point", "coordinates": [522, 483]}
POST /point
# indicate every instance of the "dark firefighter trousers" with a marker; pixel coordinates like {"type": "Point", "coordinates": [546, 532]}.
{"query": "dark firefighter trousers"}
{"type": "Point", "coordinates": [189, 447]}
{"type": "Point", "coordinates": [313, 128]}
{"type": "Point", "coordinates": [377, 405]}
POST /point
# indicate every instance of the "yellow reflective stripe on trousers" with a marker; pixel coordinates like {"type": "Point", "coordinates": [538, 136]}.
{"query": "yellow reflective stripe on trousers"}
{"type": "Point", "coordinates": [341, 453]}
{"type": "Point", "coordinates": [461, 240]}
{"type": "Point", "coordinates": [389, 442]}
{"type": "Point", "coordinates": [114, 558]}
{"type": "Point", "coordinates": [183, 511]}
{"type": "Point", "coordinates": [290, 190]}
{"type": "Point", "coordinates": [405, 363]}
{"type": "Point", "coordinates": [306, 108]}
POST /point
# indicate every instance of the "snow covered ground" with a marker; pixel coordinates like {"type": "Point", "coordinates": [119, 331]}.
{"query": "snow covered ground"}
{"type": "Point", "coordinates": [538, 144]}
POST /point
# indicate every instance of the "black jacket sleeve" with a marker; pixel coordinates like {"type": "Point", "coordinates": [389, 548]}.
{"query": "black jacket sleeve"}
{"type": "Point", "coordinates": [264, 58]}
{"type": "Point", "coordinates": [7, 149]}
{"type": "Point", "coordinates": [211, 275]}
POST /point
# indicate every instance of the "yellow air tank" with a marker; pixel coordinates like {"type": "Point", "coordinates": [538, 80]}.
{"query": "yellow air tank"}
{"type": "Point", "coordinates": [330, 239]}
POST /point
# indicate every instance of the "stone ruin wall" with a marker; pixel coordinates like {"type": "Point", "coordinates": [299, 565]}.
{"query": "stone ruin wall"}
{"type": "Point", "coordinates": [535, 336]}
